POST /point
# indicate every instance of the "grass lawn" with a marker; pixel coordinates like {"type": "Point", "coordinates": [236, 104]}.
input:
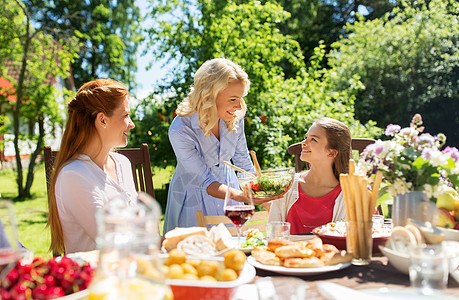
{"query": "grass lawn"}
{"type": "Point", "coordinates": [32, 213]}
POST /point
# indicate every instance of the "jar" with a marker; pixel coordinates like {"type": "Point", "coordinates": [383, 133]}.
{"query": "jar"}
{"type": "Point", "coordinates": [128, 240]}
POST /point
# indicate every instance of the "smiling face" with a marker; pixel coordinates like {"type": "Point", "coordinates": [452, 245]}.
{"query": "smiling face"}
{"type": "Point", "coordinates": [228, 100]}
{"type": "Point", "coordinates": [118, 125]}
{"type": "Point", "coordinates": [315, 145]}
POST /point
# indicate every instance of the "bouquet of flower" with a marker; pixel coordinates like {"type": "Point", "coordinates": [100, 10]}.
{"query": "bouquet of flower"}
{"type": "Point", "coordinates": [412, 161]}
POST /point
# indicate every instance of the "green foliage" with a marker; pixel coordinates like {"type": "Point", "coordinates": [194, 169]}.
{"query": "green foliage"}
{"type": "Point", "coordinates": [280, 107]}
{"type": "Point", "coordinates": [34, 60]}
{"type": "Point", "coordinates": [408, 62]}
{"type": "Point", "coordinates": [32, 213]}
{"type": "Point", "coordinates": [316, 21]}
{"type": "Point", "coordinates": [109, 33]}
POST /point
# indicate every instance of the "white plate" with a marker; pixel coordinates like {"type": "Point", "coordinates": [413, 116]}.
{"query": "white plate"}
{"type": "Point", "coordinates": [404, 294]}
{"type": "Point", "coordinates": [450, 234]}
{"type": "Point", "coordinates": [296, 271]}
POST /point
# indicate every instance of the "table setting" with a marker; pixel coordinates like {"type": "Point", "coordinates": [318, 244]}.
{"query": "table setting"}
{"type": "Point", "coordinates": [412, 253]}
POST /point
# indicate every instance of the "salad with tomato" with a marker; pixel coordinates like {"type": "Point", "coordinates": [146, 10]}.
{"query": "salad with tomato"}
{"type": "Point", "coordinates": [269, 184]}
{"type": "Point", "coordinates": [254, 238]}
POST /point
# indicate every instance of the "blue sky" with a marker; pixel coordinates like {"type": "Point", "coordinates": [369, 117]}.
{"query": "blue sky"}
{"type": "Point", "coordinates": [146, 79]}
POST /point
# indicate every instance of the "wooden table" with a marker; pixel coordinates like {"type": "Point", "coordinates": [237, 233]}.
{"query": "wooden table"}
{"type": "Point", "coordinates": [379, 273]}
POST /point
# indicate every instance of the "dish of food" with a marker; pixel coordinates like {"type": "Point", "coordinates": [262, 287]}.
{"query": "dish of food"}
{"type": "Point", "coordinates": [271, 183]}
{"type": "Point", "coordinates": [334, 233]}
{"type": "Point", "coordinates": [251, 238]}
{"type": "Point", "coordinates": [297, 271]}
{"type": "Point", "coordinates": [210, 278]}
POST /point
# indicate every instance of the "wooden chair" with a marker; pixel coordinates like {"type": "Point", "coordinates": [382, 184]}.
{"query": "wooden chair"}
{"type": "Point", "coordinates": [140, 161]}
{"type": "Point", "coordinates": [208, 221]}
{"type": "Point", "coordinates": [358, 144]}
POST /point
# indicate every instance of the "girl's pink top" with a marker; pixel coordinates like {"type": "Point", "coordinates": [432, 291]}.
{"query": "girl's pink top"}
{"type": "Point", "coordinates": [310, 212]}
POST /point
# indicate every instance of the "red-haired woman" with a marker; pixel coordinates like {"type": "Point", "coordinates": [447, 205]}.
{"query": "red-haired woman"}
{"type": "Point", "coordinates": [87, 173]}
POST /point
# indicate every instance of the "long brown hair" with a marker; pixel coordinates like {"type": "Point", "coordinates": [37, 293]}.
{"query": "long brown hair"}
{"type": "Point", "coordinates": [339, 138]}
{"type": "Point", "coordinates": [101, 95]}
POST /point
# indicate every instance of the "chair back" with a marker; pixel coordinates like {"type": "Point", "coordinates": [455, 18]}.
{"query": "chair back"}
{"type": "Point", "coordinates": [140, 162]}
{"type": "Point", "coordinates": [358, 144]}
{"type": "Point", "coordinates": [258, 221]}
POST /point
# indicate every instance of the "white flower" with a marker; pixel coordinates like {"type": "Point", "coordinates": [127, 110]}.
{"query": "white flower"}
{"type": "Point", "coordinates": [437, 158]}
{"type": "Point", "coordinates": [399, 187]}
{"type": "Point", "coordinates": [428, 190]}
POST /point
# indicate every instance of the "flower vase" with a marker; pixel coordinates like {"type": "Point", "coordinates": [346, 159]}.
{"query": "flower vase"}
{"type": "Point", "coordinates": [413, 205]}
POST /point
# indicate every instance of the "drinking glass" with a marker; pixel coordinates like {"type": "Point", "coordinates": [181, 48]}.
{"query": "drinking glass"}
{"type": "Point", "coordinates": [277, 230]}
{"type": "Point", "coordinates": [429, 269]}
{"type": "Point", "coordinates": [9, 250]}
{"type": "Point", "coordinates": [238, 212]}
{"type": "Point", "coordinates": [359, 241]}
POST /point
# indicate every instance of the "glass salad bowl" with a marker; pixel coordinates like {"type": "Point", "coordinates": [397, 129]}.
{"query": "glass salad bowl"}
{"type": "Point", "coordinates": [271, 183]}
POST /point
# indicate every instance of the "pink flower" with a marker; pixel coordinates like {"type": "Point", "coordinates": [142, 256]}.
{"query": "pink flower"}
{"type": "Point", "coordinates": [453, 152]}
{"type": "Point", "coordinates": [392, 129]}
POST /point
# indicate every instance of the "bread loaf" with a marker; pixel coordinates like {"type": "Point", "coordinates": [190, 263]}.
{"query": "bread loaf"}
{"type": "Point", "coordinates": [197, 245]}
{"type": "Point", "coordinates": [173, 237]}
{"type": "Point", "coordinates": [221, 237]}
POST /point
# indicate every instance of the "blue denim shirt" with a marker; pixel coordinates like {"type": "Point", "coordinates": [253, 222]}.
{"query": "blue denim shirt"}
{"type": "Point", "coordinates": [199, 163]}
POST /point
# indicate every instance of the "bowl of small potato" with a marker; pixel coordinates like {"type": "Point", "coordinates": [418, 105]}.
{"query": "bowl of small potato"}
{"type": "Point", "coordinates": [206, 277]}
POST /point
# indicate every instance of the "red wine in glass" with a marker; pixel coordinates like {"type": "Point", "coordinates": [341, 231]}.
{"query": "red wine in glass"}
{"type": "Point", "coordinates": [239, 214]}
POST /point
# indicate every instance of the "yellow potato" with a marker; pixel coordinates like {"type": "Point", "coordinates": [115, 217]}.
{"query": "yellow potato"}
{"type": "Point", "coordinates": [235, 259]}
{"type": "Point", "coordinates": [189, 269]}
{"type": "Point", "coordinates": [175, 272]}
{"type": "Point", "coordinates": [207, 278]}
{"type": "Point", "coordinates": [194, 262]}
{"type": "Point", "coordinates": [188, 276]}
{"type": "Point", "coordinates": [175, 257]}
{"type": "Point", "coordinates": [228, 275]}
{"type": "Point", "coordinates": [208, 267]}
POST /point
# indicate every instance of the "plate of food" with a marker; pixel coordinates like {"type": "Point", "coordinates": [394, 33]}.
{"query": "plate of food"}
{"type": "Point", "coordinates": [299, 258]}
{"type": "Point", "coordinates": [271, 183]}
{"type": "Point", "coordinates": [297, 271]}
{"type": "Point", "coordinates": [209, 278]}
{"type": "Point", "coordinates": [251, 239]}
{"type": "Point", "coordinates": [335, 233]}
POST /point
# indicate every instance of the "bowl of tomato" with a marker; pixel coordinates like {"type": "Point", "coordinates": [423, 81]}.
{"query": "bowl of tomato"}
{"type": "Point", "coordinates": [271, 183]}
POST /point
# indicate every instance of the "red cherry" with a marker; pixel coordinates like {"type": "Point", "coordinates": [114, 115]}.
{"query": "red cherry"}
{"type": "Point", "coordinates": [40, 292]}
{"type": "Point", "coordinates": [55, 292]}
{"type": "Point", "coordinates": [49, 280]}
{"type": "Point", "coordinates": [5, 295]}
{"type": "Point", "coordinates": [21, 292]}
{"type": "Point", "coordinates": [10, 279]}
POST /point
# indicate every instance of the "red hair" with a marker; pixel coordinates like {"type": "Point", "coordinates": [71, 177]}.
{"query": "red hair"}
{"type": "Point", "coordinates": [100, 95]}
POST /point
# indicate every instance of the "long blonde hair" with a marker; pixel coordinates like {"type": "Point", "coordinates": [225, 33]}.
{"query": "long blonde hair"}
{"type": "Point", "coordinates": [339, 138]}
{"type": "Point", "coordinates": [211, 78]}
{"type": "Point", "coordinates": [101, 95]}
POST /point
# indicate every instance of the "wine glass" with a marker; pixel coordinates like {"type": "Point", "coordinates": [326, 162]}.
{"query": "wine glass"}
{"type": "Point", "coordinates": [9, 249]}
{"type": "Point", "coordinates": [238, 212]}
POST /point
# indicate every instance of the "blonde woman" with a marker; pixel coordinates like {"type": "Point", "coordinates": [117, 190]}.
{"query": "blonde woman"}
{"type": "Point", "coordinates": [208, 130]}
{"type": "Point", "coordinates": [315, 197]}
{"type": "Point", "coordinates": [87, 174]}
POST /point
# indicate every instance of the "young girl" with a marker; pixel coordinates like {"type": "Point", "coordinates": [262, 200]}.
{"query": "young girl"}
{"type": "Point", "coordinates": [315, 197]}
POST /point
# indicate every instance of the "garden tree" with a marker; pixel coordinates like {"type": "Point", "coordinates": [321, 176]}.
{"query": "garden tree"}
{"type": "Point", "coordinates": [109, 33]}
{"type": "Point", "coordinates": [313, 21]}
{"type": "Point", "coordinates": [36, 58]}
{"type": "Point", "coordinates": [280, 109]}
{"type": "Point", "coordinates": [408, 63]}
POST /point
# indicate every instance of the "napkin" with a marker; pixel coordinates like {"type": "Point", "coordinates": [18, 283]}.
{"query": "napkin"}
{"type": "Point", "coordinates": [335, 291]}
